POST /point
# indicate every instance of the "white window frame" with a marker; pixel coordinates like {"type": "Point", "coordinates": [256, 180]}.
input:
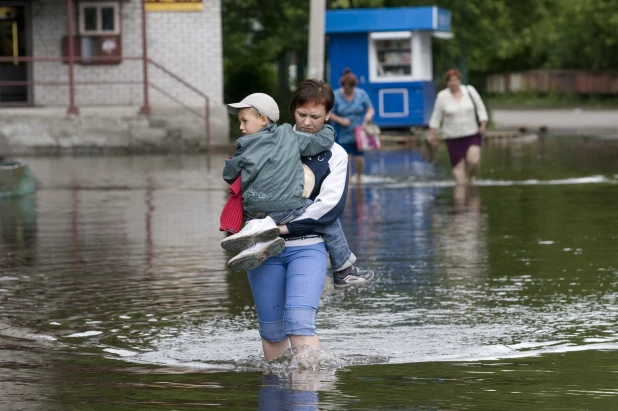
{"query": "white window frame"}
{"type": "Point", "coordinates": [98, 5]}
{"type": "Point", "coordinates": [373, 56]}
{"type": "Point", "coordinates": [420, 63]}
{"type": "Point", "coordinates": [404, 95]}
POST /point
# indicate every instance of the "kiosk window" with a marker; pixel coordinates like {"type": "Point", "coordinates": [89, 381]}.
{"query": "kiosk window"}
{"type": "Point", "coordinates": [99, 18]}
{"type": "Point", "coordinates": [394, 57]}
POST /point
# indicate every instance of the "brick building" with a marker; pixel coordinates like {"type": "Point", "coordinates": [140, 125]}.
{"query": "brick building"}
{"type": "Point", "coordinates": [108, 71]}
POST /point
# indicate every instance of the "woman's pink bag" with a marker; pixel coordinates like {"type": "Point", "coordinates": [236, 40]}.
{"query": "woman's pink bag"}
{"type": "Point", "coordinates": [367, 137]}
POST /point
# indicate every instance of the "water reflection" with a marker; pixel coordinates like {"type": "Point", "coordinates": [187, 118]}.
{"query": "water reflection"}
{"type": "Point", "coordinates": [297, 390]}
{"type": "Point", "coordinates": [391, 232]}
{"type": "Point", "coordinates": [18, 230]}
{"type": "Point", "coordinates": [460, 242]}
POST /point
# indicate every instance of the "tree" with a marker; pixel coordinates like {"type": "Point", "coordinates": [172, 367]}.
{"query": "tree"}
{"type": "Point", "coordinates": [259, 38]}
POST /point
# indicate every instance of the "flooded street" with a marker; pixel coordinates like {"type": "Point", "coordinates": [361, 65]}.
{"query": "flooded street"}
{"type": "Point", "coordinates": [114, 290]}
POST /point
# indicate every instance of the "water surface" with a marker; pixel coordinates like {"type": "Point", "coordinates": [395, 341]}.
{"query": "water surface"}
{"type": "Point", "coordinates": [114, 292]}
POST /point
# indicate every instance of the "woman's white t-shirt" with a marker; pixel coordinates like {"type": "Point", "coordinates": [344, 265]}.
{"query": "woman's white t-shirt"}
{"type": "Point", "coordinates": [457, 116]}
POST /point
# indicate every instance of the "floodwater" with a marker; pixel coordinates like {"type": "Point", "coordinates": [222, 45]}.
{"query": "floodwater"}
{"type": "Point", "coordinates": [114, 292]}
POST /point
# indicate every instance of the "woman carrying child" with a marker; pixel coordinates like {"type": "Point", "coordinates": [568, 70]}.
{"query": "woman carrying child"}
{"type": "Point", "coordinates": [287, 287]}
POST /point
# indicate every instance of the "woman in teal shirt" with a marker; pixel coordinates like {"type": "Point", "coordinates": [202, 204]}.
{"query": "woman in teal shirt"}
{"type": "Point", "coordinates": [352, 109]}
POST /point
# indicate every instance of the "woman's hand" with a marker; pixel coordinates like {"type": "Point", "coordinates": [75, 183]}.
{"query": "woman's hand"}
{"type": "Point", "coordinates": [283, 230]}
{"type": "Point", "coordinates": [482, 128]}
{"type": "Point", "coordinates": [431, 138]}
{"type": "Point", "coordinates": [369, 115]}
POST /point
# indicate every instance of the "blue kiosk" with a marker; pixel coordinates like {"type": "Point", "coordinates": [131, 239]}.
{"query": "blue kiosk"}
{"type": "Point", "coordinates": [390, 51]}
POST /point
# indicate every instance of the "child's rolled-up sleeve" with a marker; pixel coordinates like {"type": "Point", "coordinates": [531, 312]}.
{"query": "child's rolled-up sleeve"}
{"type": "Point", "coordinates": [312, 144]}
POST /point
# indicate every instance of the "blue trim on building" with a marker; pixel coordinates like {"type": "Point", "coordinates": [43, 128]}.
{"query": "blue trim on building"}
{"type": "Point", "coordinates": [444, 20]}
{"type": "Point", "coordinates": [387, 19]}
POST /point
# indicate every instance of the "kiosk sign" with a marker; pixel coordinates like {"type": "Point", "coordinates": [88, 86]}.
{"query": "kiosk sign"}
{"type": "Point", "coordinates": [174, 5]}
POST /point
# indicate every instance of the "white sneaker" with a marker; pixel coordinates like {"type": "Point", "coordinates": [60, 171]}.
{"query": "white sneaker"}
{"type": "Point", "coordinates": [257, 230]}
{"type": "Point", "coordinates": [255, 255]}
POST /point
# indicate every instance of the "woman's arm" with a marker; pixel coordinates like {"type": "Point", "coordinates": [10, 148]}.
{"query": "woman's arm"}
{"type": "Point", "coordinates": [334, 114]}
{"type": "Point", "coordinates": [369, 115]}
{"type": "Point", "coordinates": [330, 201]}
{"type": "Point", "coordinates": [434, 123]}
{"type": "Point", "coordinates": [431, 137]}
{"type": "Point", "coordinates": [369, 110]}
{"type": "Point", "coordinates": [342, 121]}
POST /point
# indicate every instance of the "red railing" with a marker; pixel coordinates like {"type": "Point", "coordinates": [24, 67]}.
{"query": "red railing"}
{"type": "Point", "coordinates": [205, 116]}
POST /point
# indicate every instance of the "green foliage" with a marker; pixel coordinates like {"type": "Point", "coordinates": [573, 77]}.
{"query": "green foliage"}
{"type": "Point", "coordinates": [584, 35]}
{"type": "Point", "coordinates": [351, 4]}
{"type": "Point", "coordinates": [502, 35]}
{"type": "Point", "coordinates": [493, 36]}
{"type": "Point", "coordinates": [243, 78]}
{"type": "Point", "coordinates": [260, 36]}
{"type": "Point", "coordinates": [259, 31]}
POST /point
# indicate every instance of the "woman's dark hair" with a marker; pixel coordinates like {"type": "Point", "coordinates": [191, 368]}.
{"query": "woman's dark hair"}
{"type": "Point", "coordinates": [452, 72]}
{"type": "Point", "coordinates": [348, 78]}
{"type": "Point", "coordinates": [312, 91]}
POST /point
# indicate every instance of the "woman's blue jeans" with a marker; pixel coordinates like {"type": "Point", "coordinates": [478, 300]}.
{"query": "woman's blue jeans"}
{"type": "Point", "coordinates": [287, 290]}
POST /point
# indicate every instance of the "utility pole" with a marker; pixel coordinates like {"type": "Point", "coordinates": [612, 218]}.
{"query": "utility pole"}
{"type": "Point", "coordinates": [315, 61]}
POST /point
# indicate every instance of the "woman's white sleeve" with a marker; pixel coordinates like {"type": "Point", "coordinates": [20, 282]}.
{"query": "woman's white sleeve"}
{"type": "Point", "coordinates": [330, 201]}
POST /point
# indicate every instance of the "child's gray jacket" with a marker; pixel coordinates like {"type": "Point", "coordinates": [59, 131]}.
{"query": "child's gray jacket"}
{"type": "Point", "coordinates": [269, 165]}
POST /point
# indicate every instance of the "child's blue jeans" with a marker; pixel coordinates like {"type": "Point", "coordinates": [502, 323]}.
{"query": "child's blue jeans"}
{"type": "Point", "coordinates": [339, 252]}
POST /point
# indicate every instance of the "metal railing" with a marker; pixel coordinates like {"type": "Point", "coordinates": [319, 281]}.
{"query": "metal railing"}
{"type": "Point", "coordinates": [89, 60]}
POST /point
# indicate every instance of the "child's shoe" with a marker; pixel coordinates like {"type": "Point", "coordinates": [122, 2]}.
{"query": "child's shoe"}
{"type": "Point", "coordinates": [255, 255]}
{"type": "Point", "coordinates": [257, 230]}
{"type": "Point", "coordinates": [352, 276]}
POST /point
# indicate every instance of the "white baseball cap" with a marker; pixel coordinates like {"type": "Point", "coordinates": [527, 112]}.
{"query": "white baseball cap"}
{"type": "Point", "coordinates": [263, 103]}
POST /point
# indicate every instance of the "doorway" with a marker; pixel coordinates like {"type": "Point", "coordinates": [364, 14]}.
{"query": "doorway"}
{"type": "Point", "coordinates": [14, 43]}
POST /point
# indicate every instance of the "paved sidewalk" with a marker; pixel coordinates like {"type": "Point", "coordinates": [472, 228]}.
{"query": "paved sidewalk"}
{"type": "Point", "coordinates": [573, 120]}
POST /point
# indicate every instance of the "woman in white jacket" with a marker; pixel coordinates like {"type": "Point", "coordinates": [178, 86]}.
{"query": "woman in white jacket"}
{"type": "Point", "coordinates": [462, 114]}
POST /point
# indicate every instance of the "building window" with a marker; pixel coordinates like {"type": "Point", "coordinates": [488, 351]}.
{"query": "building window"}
{"type": "Point", "coordinates": [390, 56]}
{"type": "Point", "coordinates": [99, 18]}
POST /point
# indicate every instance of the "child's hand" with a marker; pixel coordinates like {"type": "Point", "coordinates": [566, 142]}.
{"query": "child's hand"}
{"type": "Point", "coordinates": [283, 229]}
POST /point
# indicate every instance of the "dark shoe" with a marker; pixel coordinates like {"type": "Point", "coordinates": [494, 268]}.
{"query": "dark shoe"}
{"type": "Point", "coordinates": [352, 276]}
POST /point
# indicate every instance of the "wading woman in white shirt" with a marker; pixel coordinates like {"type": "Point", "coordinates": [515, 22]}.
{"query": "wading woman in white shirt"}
{"type": "Point", "coordinates": [462, 114]}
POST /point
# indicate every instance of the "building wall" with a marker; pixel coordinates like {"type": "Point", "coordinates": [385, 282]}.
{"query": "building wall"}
{"type": "Point", "coordinates": [190, 44]}
{"type": "Point", "coordinates": [187, 43]}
